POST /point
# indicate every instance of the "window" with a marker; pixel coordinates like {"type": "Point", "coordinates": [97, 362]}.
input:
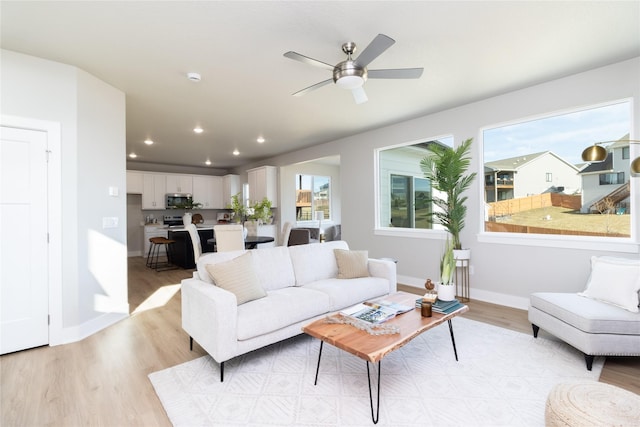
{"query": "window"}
{"type": "Point", "coordinates": [568, 197]}
{"type": "Point", "coordinates": [612, 178]}
{"type": "Point", "coordinates": [312, 194]}
{"type": "Point", "coordinates": [625, 153]}
{"type": "Point", "coordinates": [404, 193]}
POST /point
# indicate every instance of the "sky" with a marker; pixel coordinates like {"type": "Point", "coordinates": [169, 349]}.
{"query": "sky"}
{"type": "Point", "coordinates": [566, 134]}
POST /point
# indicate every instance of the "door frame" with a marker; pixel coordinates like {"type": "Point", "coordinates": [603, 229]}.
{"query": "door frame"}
{"type": "Point", "coordinates": [54, 215]}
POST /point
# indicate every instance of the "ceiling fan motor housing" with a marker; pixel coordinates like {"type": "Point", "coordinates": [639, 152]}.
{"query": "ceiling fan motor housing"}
{"type": "Point", "coordinates": [349, 75]}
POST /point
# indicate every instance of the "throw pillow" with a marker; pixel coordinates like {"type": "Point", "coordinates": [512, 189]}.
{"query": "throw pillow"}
{"type": "Point", "coordinates": [615, 281]}
{"type": "Point", "coordinates": [239, 277]}
{"type": "Point", "coordinates": [351, 264]}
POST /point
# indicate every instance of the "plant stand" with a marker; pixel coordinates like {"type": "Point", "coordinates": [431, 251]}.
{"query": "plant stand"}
{"type": "Point", "coordinates": [462, 279]}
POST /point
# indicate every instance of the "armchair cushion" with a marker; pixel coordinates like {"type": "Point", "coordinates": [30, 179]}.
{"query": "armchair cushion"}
{"type": "Point", "coordinates": [239, 277]}
{"type": "Point", "coordinates": [615, 281]}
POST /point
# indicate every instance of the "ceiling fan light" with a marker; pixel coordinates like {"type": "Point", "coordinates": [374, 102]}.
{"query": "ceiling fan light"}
{"type": "Point", "coordinates": [350, 82]}
{"type": "Point", "coordinates": [595, 153]}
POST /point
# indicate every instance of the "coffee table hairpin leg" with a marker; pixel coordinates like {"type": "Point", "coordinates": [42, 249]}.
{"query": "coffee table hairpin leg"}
{"type": "Point", "coordinates": [453, 340]}
{"type": "Point", "coordinates": [377, 415]}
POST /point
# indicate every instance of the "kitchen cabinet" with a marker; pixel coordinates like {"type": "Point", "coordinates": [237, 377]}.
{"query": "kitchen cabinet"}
{"type": "Point", "coordinates": [263, 182]}
{"type": "Point", "coordinates": [134, 183]}
{"type": "Point", "coordinates": [230, 187]}
{"type": "Point", "coordinates": [208, 191]}
{"type": "Point", "coordinates": [179, 184]}
{"type": "Point", "coordinates": [153, 191]}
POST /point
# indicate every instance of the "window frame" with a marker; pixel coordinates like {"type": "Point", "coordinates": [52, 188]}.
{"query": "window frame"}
{"type": "Point", "coordinates": [593, 243]}
{"type": "Point", "coordinates": [418, 233]}
{"type": "Point", "coordinates": [313, 201]}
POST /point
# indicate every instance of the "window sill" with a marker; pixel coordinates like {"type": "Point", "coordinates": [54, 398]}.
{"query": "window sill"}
{"type": "Point", "coordinates": [568, 242]}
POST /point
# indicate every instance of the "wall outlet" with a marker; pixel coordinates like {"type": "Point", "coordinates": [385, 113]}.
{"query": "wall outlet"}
{"type": "Point", "coordinates": [110, 222]}
{"type": "Point", "coordinates": [471, 270]}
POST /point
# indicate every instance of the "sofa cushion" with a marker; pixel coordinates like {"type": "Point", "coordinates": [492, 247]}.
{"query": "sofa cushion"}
{"type": "Point", "coordinates": [614, 281]}
{"type": "Point", "coordinates": [586, 314]}
{"type": "Point", "coordinates": [281, 308]}
{"type": "Point", "coordinates": [344, 293]}
{"type": "Point", "coordinates": [213, 258]}
{"type": "Point", "coordinates": [351, 264]}
{"type": "Point", "coordinates": [315, 261]}
{"type": "Point", "coordinates": [274, 268]}
{"type": "Point", "coordinates": [239, 277]}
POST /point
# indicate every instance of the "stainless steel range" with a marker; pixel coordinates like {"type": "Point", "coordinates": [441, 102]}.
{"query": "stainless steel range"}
{"type": "Point", "coordinates": [172, 220]}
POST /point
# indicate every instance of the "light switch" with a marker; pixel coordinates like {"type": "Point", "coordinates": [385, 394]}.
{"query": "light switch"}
{"type": "Point", "coordinates": [110, 222]}
{"type": "Point", "coordinates": [113, 191]}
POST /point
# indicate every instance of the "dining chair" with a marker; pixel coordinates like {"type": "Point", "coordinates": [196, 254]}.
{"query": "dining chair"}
{"type": "Point", "coordinates": [195, 241]}
{"type": "Point", "coordinates": [284, 236]}
{"type": "Point", "coordinates": [229, 237]}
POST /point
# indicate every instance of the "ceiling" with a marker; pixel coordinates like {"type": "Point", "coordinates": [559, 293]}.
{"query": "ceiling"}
{"type": "Point", "coordinates": [469, 51]}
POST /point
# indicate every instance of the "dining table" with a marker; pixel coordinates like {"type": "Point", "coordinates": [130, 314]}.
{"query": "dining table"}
{"type": "Point", "coordinates": [250, 242]}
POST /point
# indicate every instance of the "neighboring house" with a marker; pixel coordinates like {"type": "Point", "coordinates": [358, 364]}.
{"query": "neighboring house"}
{"type": "Point", "coordinates": [608, 180]}
{"type": "Point", "coordinates": [530, 174]}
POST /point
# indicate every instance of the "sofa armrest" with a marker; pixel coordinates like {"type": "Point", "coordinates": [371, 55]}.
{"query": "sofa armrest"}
{"type": "Point", "coordinates": [385, 269]}
{"type": "Point", "coordinates": [209, 316]}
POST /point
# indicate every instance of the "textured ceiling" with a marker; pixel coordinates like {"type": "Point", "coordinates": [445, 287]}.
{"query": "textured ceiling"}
{"type": "Point", "coordinates": [469, 50]}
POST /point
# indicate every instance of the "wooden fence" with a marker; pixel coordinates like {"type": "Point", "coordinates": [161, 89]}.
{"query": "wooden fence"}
{"type": "Point", "coordinates": [514, 228]}
{"type": "Point", "coordinates": [512, 206]}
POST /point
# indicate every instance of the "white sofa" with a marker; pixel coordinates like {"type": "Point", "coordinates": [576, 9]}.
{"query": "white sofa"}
{"type": "Point", "coordinates": [301, 285]}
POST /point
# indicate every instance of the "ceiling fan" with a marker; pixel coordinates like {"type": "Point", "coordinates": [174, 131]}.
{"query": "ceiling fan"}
{"type": "Point", "coordinates": [352, 73]}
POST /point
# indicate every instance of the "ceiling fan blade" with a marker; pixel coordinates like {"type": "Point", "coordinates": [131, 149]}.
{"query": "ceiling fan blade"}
{"type": "Point", "coordinates": [375, 49]}
{"type": "Point", "coordinates": [359, 95]}
{"type": "Point", "coordinates": [298, 57]}
{"type": "Point", "coordinates": [313, 87]}
{"type": "Point", "coordinates": [398, 73]}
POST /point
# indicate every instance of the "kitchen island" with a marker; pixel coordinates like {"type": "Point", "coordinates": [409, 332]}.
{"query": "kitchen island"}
{"type": "Point", "coordinates": [182, 249]}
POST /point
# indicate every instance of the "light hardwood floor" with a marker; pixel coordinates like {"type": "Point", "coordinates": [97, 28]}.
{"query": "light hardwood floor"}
{"type": "Point", "coordinates": [102, 380]}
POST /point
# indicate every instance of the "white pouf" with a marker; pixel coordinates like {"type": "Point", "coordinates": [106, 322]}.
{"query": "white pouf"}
{"type": "Point", "coordinates": [591, 404]}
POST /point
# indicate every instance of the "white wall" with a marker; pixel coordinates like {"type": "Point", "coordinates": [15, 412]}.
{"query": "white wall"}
{"type": "Point", "coordinates": [505, 271]}
{"type": "Point", "coordinates": [92, 118]}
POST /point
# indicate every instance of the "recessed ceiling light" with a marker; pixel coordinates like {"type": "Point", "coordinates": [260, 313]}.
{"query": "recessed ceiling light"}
{"type": "Point", "coordinates": [194, 77]}
{"type": "Point", "coordinates": [133, 155]}
{"type": "Point", "coordinates": [236, 152]}
{"type": "Point", "coordinates": [198, 129]}
{"type": "Point", "coordinates": [260, 139]}
{"type": "Point", "coordinates": [208, 162]}
{"type": "Point", "coordinates": [148, 141]}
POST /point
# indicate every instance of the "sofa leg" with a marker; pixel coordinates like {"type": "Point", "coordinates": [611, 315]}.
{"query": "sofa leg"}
{"type": "Point", "coordinates": [221, 372]}
{"type": "Point", "coordinates": [190, 343]}
{"type": "Point", "coordinates": [589, 360]}
{"type": "Point", "coordinates": [535, 330]}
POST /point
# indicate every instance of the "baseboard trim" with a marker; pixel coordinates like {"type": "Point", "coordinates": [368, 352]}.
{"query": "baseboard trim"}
{"type": "Point", "coordinates": [86, 329]}
{"type": "Point", "coordinates": [475, 294]}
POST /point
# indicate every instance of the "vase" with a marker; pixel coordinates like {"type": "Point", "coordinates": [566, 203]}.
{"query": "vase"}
{"type": "Point", "coordinates": [446, 292]}
{"type": "Point", "coordinates": [186, 218]}
{"type": "Point", "coordinates": [251, 227]}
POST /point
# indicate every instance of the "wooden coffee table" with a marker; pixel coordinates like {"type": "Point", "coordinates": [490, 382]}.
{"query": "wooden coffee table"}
{"type": "Point", "coordinates": [373, 348]}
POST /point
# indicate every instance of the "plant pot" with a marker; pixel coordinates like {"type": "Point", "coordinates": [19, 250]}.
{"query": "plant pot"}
{"type": "Point", "coordinates": [251, 227]}
{"type": "Point", "coordinates": [446, 292]}
{"type": "Point", "coordinates": [461, 255]}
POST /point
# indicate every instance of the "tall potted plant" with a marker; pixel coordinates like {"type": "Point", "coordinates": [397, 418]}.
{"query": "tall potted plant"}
{"type": "Point", "coordinates": [447, 169]}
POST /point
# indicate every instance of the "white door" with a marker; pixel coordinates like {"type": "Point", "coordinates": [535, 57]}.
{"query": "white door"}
{"type": "Point", "coordinates": [24, 287]}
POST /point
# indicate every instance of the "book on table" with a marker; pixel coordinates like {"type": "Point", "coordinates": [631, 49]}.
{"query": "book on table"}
{"type": "Point", "coordinates": [376, 311]}
{"type": "Point", "coordinates": [444, 307]}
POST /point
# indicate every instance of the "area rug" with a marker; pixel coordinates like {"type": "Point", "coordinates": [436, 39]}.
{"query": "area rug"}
{"type": "Point", "coordinates": [502, 378]}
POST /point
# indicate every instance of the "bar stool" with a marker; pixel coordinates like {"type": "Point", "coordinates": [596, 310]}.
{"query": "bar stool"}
{"type": "Point", "coordinates": [154, 254]}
